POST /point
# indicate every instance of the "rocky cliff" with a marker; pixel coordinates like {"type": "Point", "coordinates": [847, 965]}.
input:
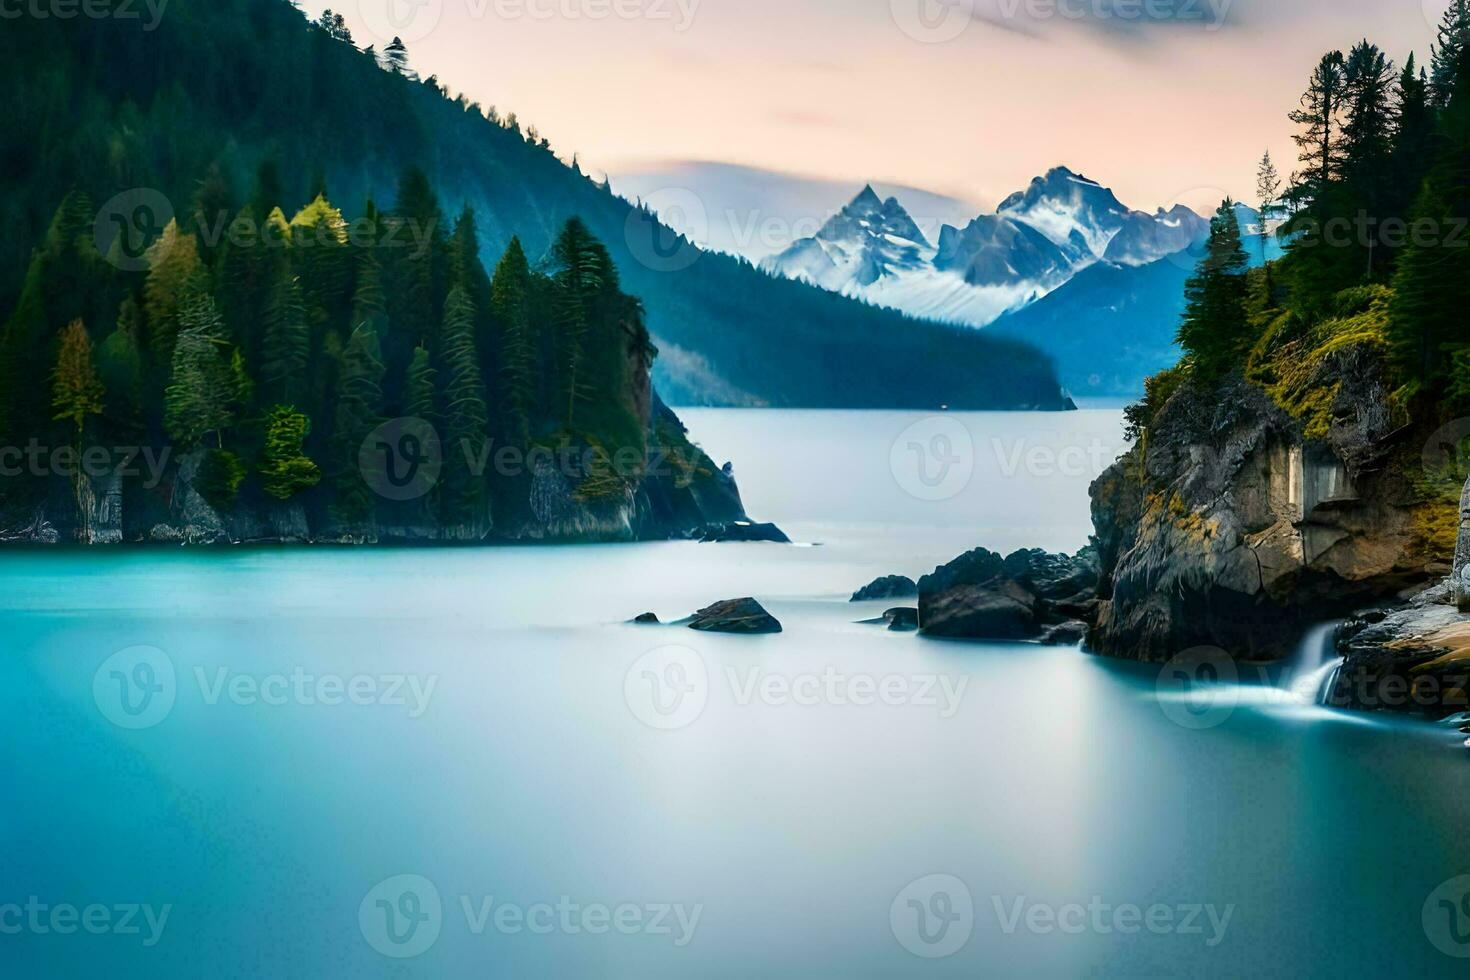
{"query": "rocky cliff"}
{"type": "Point", "coordinates": [1238, 522]}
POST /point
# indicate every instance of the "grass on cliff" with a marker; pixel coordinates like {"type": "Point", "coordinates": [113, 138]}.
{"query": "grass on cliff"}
{"type": "Point", "coordinates": [1288, 358]}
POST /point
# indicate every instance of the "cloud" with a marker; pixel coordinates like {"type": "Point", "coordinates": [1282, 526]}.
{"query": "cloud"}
{"type": "Point", "coordinates": [1121, 20]}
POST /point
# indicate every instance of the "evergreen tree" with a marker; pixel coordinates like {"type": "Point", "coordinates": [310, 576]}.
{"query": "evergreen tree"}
{"type": "Point", "coordinates": [1319, 111]}
{"type": "Point", "coordinates": [1427, 329]}
{"type": "Point", "coordinates": [395, 58]}
{"type": "Point", "coordinates": [1214, 332]}
{"type": "Point", "coordinates": [510, 301]}
{"type": "Point", "coordinates": [175, 275]}
{"type": "Point", "coordinates": [421, 389]}
{"type": "Point", "coordinates": [1367, 138]}
{"type": "Point", "coordinates": [285, 469]}
{"type": "Point", "coordinates": [76, 391]}
{"type": "Point", "coordinates": [120, 368]}
{"type": "Point", "coordinates": [466, 419]}
{"type": "Point", "coordinates": [417, 270]}
{"type": "Point", "coordinates": [1268, 192]}
{"type": "Point", "coordinates": [359, 403]}
{"type": "Point", "coordinates": [1453, 41]}
{"type": "Point", "coordinates": [579, 282]}
{"type": "Point", "coordinates": [287, 343]}
{"type": "Point", "coordinates": [205, 391]}
{"type": "Point", "coordinates": [323, 261]}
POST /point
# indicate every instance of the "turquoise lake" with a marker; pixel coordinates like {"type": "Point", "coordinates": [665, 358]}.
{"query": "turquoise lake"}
{"type": "Point", "coordinates": [432, 763]}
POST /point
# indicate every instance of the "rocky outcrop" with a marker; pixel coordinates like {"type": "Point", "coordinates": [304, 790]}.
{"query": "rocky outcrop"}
{"type": "Point", "coordinates": [741, 531]}
{"type": "Point", "coordinates": [1411, 659]}
{"type": "Point", "coordinates": [887, 587]}
{"type": "Point", "coordinates": [735, 616]}
{"type": "Point", "coordinates": [982, 596]}
{"type": "Point", "coordinates": [1230, 526]}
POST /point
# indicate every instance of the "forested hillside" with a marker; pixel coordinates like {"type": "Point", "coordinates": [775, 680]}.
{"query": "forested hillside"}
{"type": "Point", "coordinates": [223, 90]}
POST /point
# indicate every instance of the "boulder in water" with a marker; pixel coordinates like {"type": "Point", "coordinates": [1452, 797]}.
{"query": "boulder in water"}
{"type": "Point", "coordinates": [887, 587]}
{"type": "Point", "coordinates": [735, 616]}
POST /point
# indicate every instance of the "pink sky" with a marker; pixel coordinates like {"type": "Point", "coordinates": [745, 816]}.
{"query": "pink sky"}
{"type": "Point", "coordinates": [1161, 111]}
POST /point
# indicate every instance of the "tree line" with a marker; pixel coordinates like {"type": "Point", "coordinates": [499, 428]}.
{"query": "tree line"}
{"type": "Point", "coordinates": [1381, 199]}
{"type": "Point", "coordinates": [272, 346]}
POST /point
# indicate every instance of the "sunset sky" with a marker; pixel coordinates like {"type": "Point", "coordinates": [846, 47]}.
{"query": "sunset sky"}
{"type": "Point", "coordinates": [968, 98]}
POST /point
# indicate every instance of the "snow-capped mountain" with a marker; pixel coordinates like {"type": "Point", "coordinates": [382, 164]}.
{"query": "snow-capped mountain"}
{"type": "Point", "coordinates": [1036, 241]}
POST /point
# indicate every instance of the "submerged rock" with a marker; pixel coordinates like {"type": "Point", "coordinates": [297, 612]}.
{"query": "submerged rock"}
{"type": "Point", "coordinates": [735, 616]}
{"type": "Point", "coordinates": [982, 596]}
{"type": "Point", "coordinates": [887, 587]}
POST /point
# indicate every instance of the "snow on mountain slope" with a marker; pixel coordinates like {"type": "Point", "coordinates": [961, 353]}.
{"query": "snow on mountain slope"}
{"type": "Point", "coordinates": [1037, 241]}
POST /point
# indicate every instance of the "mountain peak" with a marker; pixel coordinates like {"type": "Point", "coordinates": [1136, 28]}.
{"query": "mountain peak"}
{"type": "Point", "coordinates": [867, 198]}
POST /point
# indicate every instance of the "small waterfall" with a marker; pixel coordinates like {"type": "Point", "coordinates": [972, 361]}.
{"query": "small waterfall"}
{"type": "Point", "coordinates": [1315, 666]}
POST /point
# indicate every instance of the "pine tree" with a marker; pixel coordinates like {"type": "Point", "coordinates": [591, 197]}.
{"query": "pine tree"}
{"type": "Point", "coordinates": [510, 301]}
{"type": "Point", "coordinates": [395, 58]}
{"type": "Point", "coordinates": [580, 278]}
{"type": "Point", "coordinates": [357, 413]}
{"type": "Point", "coordinates": [285, 469]}
{"type": "Point", "coordinates": [76, 391]}
{"type": "Point", "coordinates": [1367, 138]}
{"type": "Point", "coordinates": [1453, 40]}
{"type": "Point", "coordinates": [1427, 329]}
{"type": "Point", "coordinates": [1319, 112]}
{"type": "Point", "coordinates": [1268, 192]}
{"type": "Point", "coordinates": [417, 270]}
{"type": "Point", "coordinates": [174, 275]}
{"type": "Point", "coordinates": [120, 367]}
{"type": "Point", "coordinates": [204, 393]}
{"type": "Point", "coordinates": [287, 342]}
{"type": "Point", "coordinates": [421, 391]}
{"type": "Point", "coordinates": [1214, 332]}
{"type": "Point", "coordinates": [466, 420]}
{"type": "Point", "coordinates": [323, 262]}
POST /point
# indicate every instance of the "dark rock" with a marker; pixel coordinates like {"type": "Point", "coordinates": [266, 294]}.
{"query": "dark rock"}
{"type": "Point", "coordinates": [982, 596]}
{"type": "Point", "coordinates": [976, 613]}
{"type": "Point", "coordinates": [647, 619]}
{"type": "Point", "coordinates": [1414, 659]}
{"type": "Point", "coordinates": [735, 616]}
{"type": "Point", "coordinates": [887, 587]}
{"type": "Point", "coordinates": [1067, 634]}
{"type": "Point", "coordinates": [904, 619]}
{"type": "Point", "coordinates": [738, 531]}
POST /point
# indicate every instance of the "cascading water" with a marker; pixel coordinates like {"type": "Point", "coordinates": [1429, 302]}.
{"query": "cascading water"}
{"type": "Point", "coordinates": [1316, 665]}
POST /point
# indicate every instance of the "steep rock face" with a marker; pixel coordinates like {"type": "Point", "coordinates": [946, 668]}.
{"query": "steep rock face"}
{"type": "Point", "coordinates": [1228, 527]}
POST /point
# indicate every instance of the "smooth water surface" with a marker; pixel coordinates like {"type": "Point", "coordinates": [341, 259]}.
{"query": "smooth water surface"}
{"type": "Point", "coordinates": [430, 763]}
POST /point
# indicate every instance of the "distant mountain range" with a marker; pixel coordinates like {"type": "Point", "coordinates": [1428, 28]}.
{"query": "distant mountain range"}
{"type": "Point", "coordinates": [1062, 264]}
